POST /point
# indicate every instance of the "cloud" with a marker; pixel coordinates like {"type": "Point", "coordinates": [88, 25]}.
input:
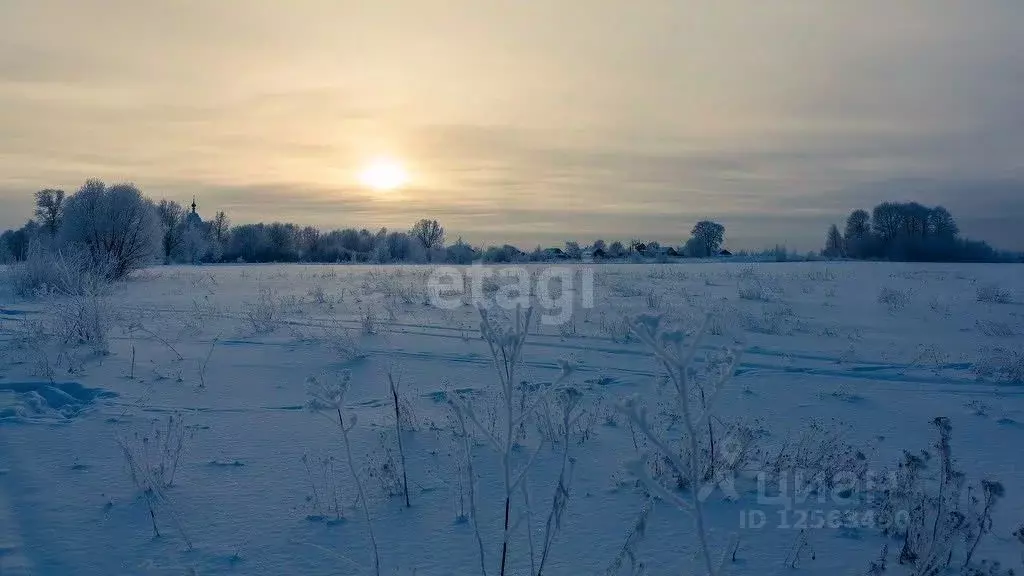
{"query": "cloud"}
{"type": "Point", "coordinates": [525, 118]}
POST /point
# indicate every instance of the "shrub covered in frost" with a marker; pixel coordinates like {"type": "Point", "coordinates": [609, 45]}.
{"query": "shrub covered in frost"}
{"type": "Point", "coordinates": [994, 294]}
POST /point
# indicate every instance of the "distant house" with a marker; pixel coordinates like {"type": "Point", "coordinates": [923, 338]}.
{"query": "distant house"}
{"type": "Point", "coordinates": [640, 247]}
{"type": "Point", "coordinates": [599, 254]}
{"type": "Point", "coordinates": [671, 252]}
{"type": "Point", "coordinates": [556, 253]}
{"type": "Point", "coordinates": [725, 253]}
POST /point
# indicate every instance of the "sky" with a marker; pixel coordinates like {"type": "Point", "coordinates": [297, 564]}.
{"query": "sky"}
{"type": "Point", "coordinates": [528, 122]}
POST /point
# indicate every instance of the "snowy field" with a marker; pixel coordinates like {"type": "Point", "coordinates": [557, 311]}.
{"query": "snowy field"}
{"type": "Point", "coordinates": [178, 402]}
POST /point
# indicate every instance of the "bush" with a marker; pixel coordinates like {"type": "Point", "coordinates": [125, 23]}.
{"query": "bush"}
{"type": "Point", "coordinates": [752, 286]}
{"type": "Point", "coordinates": [994, 294]}
{"type": "Point", "coordinates": [263, 315]}
{"type": "Point", "coordinates": [35, 275]}
{"type": "Point", "coordinates": [83, 319]}
{"type": "Point", "coordinates": [995, 329]}
{"type": "Point", "coordinates": [895, 299]}
{"type": "Point", "coordinates": [46, 271]}
{"type": "Point", "coordinates": [1001, 365]}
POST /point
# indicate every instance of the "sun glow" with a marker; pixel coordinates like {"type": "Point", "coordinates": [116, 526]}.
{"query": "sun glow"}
{"type": "Point", "coordinates": [383, 174]}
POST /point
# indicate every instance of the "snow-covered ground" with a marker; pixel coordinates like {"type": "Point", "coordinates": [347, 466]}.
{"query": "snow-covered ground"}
{"type": "Point", "coordinates": [204, 370]}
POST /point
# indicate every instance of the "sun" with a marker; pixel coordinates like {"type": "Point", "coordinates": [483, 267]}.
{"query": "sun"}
{"type": "Point", "coordinates": [383, 174]}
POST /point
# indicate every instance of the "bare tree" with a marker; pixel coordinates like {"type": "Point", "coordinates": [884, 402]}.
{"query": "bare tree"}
{"type": "Point", "coordinates": [708, 236]}
{"type": "Point", "coordinates": [50, 209]}
{"type": "Point", "coordinates": [172, 218]}
{"type": "Point", "coordinates": [941, 224]}
{"type": "Point", "coordinates": [430, 233]}
{"type": "Point", "coordinates": [857, 234]}
{"type": "Point", "coordinates": [219, 227]}
{"type": "Point", "coordinates": [887, 221]}
{"type": "Point", "coordinates": [909, 231]}
{"type": "Point", "coordinates": [858, 225]}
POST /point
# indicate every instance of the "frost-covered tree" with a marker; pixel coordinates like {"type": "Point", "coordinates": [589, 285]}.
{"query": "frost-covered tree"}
{"type": "Point", "coordinates": [461, 253]}
{"type": "Point", "coordinates": [572, 250]}
{"type": "Point", "coordinates": [858, 224]}
{"type": "Point", "coordinates": [430, 234]}
{"type": "Point", "coordinates": [833, 243]}
{"type": "Point", "coordinates": [49, 209]}
{"type": "Point", "coordinates": [310, 244]}
{"type": "Point", "coordinates": [398, 247]}
{"type": "Point", "coordinates": [220, 229]}
{"type": "Point", "coordinates": [17, 241]}
{"type": "Point", "coordinates": [195, 244]}
{"type": "Point", "coordinates": [504, 253]}
{"type": "Point", "coordinates": [600, 245]}
{"type": "Point", "coordinates": [708, 237]}
{"type": "Point", "coordinates": [349, 239]}
{"type": "Point", "coordinates": [941, 224]}
{"type": "Point", "coordinates": [220, 226]}
{"type": "Point", "coordinates": [886, 221]}
{"type": "Point", "coordinates": [246, 243]}
{"type": "Point", "coordinates": [116, 226]}
{"type": "Point", "coordinates": [909, 231]}
{"type": "Point", "coordinates": [915, 220]}
{"type": "Point", "coordinates": [284, 241]}
{"type": "Point", "coordinates": [172, 229]}
{"type": "Point", "coordinates": [857, 235]}
{"type": "Point", "coordinates": [215, 249]}
{"type": "Point", "coordinates": [541, 254]}
{"type": "Point", "coordinates": [274, 242]}
{"type": "Point", "coordinates": [6, 257]}
{"type": "Point", "coordinates": [616, 249]}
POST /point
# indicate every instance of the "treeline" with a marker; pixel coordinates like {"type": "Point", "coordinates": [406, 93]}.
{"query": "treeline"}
{"type": "Point", "coordinates": [117, 229]}
{"type": "Point", "coordinates": [423, 242]}
{"type": "Point", "coordinates": [907, 232]}
{"type": "Point", "coordinates": [168, 232]}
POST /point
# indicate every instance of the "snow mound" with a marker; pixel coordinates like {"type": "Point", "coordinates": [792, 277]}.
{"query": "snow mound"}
{"type": "Point", "coordinates": [46, 401]}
